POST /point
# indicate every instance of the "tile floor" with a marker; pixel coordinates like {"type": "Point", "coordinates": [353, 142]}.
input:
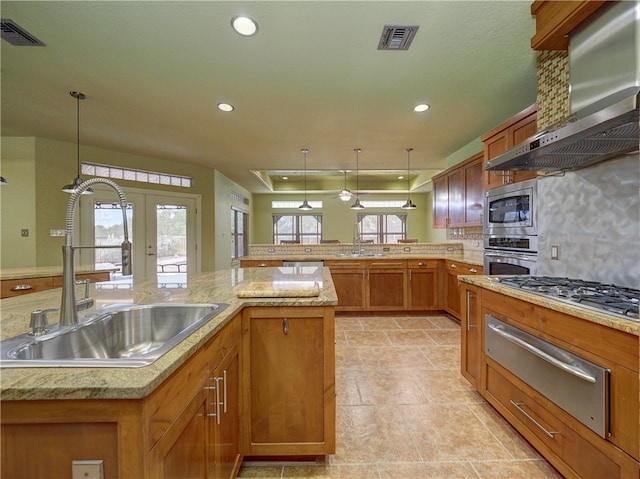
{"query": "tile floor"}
{"type": "Point", "coordinates": [404, 411]}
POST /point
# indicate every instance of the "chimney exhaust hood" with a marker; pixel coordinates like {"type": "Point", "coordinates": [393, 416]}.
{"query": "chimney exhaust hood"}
{"type": "Point", "coordinates": [606, 129]}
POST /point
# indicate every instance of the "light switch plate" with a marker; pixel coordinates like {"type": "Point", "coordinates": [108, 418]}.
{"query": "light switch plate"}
{"type": "Point", "coordinates": [555, 251]}
{"type": "Point", "coordinates": [90, 469]}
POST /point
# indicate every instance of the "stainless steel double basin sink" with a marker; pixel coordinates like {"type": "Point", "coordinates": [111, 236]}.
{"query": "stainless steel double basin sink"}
{"type": "Point", "coordinates": [116, 336]}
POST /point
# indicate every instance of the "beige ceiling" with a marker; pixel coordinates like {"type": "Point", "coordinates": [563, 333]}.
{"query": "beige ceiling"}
{"type": "Point", "coordinates": [311, 78]}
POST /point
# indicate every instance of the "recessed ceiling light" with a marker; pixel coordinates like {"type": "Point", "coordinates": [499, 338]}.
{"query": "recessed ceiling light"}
{"type": "Point", "coordinates": [285, 177]}
{"type": "Point", "coordinates": [225, 107]}
{"type": "Point", "coordinates": [421, 107]}
{"type": "Point", "coordinates": [245, 26]}
{"type": "Point", "coordinates": [401, 177]}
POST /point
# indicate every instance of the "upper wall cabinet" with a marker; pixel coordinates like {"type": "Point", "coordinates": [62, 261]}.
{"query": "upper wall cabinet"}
{"type": "Point", "coordinates": [457, 195]}
{"type": "Point", "coordinates": [554, 21]}
{"type": "Point", "coordinates": [503, 137]}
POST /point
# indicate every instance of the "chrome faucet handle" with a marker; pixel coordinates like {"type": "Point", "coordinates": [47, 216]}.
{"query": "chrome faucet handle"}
{"type": "Point", "coordinates": [39, 323]}
{"type": "Point", "coordinates": [87, 301]}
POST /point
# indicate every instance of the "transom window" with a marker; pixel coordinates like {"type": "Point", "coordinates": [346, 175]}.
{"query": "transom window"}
{"type": "Point", "coordinates": [297, 228]}
{"type": "Point", "coordinates": [382, 228]}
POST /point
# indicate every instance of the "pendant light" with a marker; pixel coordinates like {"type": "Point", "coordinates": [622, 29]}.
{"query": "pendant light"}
{"type": "Point", "coordinates": [357, 205]}
{"type": "Point", "coordinates": [408, 205]}
{"type": "Point", "coordinates": [305, 206]}
{"type": "Point", "coordinates": [70, 188]}
{"type": "Point", "coordinates": [345, 194]}
{"type": "Point", "coordinates": [3, 181]}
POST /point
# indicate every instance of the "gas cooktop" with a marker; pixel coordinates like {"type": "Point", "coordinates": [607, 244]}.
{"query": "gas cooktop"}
{"type": "Point", "coordinates": [605, 298]}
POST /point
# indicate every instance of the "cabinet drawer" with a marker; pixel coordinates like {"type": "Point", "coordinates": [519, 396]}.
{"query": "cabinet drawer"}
{"type": "Point", "coordinates": [569, 446]}
{"type": "Point", "coordinates": [470, 269]}
{"type": "Point", "coordinates": [422, 263]}
{"type": "Point", "coordinates": [344, 264]}
{"type": "Point", "coordinates": [453, 266]}
{"type": "Point", "coordinates": [16, 287]}
{"type": "Point", "coordinates": [260, 263]}
{"type": "Point", "coordinates": [388, 264]}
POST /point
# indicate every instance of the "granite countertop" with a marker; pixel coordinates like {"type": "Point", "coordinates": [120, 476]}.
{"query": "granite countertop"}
{"type": "Point", "coordinates": [491, 283]}
{"type": "Point", "coordinates": [136, 383]}
{"type": "Point", "coordinates": [470, 257]}
{"type": "Point", "coordinates": [47, 271]}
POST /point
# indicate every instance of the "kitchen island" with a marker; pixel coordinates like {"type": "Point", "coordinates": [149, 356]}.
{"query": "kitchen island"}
{"type": "Point", "coordinates": [144, 422]}
{"type": "Point", "coordinates": [536, 360]}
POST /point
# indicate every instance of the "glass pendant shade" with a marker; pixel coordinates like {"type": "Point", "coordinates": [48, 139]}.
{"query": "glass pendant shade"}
{"type": "Point", "coordinates": [305, 206]}
{"type": "Point", "coordinates": [3, 181]}
{"type": "Point", "coordinates": [409, 204]}
{"type": "Point", "coordinates": [345, 195]}
{"type": "Point", "coordinates": [70, 188]}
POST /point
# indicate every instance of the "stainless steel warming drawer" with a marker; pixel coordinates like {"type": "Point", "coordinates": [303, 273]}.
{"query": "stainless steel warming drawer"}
{"type": "Point", "coordinates": [578, 386]}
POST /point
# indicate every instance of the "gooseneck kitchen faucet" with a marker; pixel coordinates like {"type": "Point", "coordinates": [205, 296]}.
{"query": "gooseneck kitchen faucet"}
{"type": "Point", "coordinates": [69, 306]}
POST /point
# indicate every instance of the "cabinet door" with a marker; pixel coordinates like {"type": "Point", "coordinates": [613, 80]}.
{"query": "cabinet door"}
{"type": "Point", "coordinates": [180, 454]}
{"type": "Point", "coordinates": [387, 289]}
{"type": "Point", "coordinates": [519, 132]}
{"type": "Point", "coordinates": [456, 199]}
{"type": "Point", "coordinates": [471, 327]}
{"type": "Point", "coordinates": [423, 289]}
{"type": "Point", "coordinates": [440, 202]}
{"type": "Point", "coordinates": [494, 146]}
{"type": "Point", "coordinates": [350, 287]}
{"type": "Point", "coordinates": [473, 197]}
{"type": "Point", "coordinates": [223, 450]}
{"type": "Point", "coordinates": [289, 381]}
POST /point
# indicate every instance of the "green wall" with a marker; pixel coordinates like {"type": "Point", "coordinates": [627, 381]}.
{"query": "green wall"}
{"type": "Point", "coordinates": [338, 219]}
{"type": "Point", "coordinates": [37, 168]}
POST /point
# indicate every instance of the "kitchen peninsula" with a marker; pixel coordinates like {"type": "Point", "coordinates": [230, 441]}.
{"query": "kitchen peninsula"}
{"type": "Point", "coordinates": [144, 422]}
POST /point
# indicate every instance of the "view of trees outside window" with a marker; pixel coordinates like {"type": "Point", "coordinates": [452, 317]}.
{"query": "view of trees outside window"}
{"type": "Point", "coordinates": [305, 229]}
{"type": "Point", "coordinates": [239, 233]}
{"type": "Point", "coordinates": [171, 234]}
{"type": "Point", "coordinates": [109, 230]}
{"type": "Point", "coordinates": [383, 228]}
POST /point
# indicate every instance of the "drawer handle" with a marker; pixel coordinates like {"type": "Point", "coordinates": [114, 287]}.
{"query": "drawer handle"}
{"type": "Point", "coordinates": [21, 287]}
{"type": "Point", "coordinates": [262, 265]}
{"type": "Point", "coordinates": [473, 270]}
{"type": "Point", "coordinates": [530, 418]}
{"type": "Point", "coordinates": [568, 368]}
{"type": "Point", "coordinates": [285, 325]}
{"type": "Point", "coordinates": [453, 266]}
{"type": "Point", "coordinates": [422, 263]}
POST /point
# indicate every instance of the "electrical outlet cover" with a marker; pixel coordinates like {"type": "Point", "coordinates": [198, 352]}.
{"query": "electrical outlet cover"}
{"type": "Point", "coordinates": [91, 469]}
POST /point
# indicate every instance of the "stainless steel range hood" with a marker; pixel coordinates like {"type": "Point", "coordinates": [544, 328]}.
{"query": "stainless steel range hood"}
{"type": "Point", "coordinates": [589, 138]}
{"type": "Point", "coordinates": [604, 77]}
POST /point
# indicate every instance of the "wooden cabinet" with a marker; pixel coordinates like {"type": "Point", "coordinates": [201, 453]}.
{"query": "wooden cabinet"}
{"type": "Point", "coordinates": [451, 297]}
{"type": "Point", "coordinates": [202, 438]}
{"type": "Point", "coordinates": [458, 195]}
{"type": "Point", "coordinates": [555, 20]}
{"type": "Point", "coordinates": [573, 448]}
{"type": "Point", "coordinates": [349, 281]}
{"type": "Point", "coordinates": [387, 285]}
{"type": "Point", "coordinates": [370, 285]}
{"type": "Point", "coordinates": [422, 289]}
{"type": "Point", "coordinates": [503, 137]}
{"type": "Point", "coordinates": [260, 263]}
{"type": "Point", "coordinates": [17, 287]}
{"type": "Point", "coordinates": [289, 381]}
{"type": "Point", "coordinates": [472, 358]}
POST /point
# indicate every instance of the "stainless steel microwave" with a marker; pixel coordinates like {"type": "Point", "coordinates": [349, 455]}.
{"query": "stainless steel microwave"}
{"type": "Point", "coordinates": [510, 210]}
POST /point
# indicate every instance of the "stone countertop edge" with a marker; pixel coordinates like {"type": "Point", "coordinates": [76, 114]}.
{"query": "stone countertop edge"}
{"type": "Point", "coordinates": [48, 271]}
{"type": "Point", "coordinates": [58, 383]}
{"type": "Point", "coordinates": [491, 283]}
{"type": "Point", "coordinates": [474, 258]}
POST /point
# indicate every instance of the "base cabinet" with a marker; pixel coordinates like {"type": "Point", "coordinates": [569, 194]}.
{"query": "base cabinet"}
{"type": "Point", "coordinates": [572, 447]}
{"type": "Point", "coordinates": [472, 357]}
{"type": "Point", "coordinates": [422, 289]}
{"type": "Point", "coordinates": [289, 381]}
{"type": "Point", "coordinates": [452, 291]}
{"type": "Point", "coordinates": [349, 282]}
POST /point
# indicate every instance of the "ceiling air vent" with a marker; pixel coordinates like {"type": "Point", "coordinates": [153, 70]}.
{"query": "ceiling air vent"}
{"type": "Point", "coordinates": [397, 37]}
{"type": "Point", "coordinates": [17, 35]}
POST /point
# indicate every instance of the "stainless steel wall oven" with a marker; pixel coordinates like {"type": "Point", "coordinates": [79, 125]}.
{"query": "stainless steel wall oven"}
{"type": "Point", "coordinates": [510, 229]}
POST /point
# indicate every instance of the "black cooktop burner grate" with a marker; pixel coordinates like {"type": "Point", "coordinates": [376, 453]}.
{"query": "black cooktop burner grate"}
{"type": "Point", "coordinates": [607, 298]}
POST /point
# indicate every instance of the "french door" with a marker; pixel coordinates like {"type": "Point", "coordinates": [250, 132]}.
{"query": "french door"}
{"type": "Point", "coordinates": [163, 229]}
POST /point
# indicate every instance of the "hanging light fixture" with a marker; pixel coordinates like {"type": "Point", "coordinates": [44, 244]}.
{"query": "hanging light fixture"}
{"type": "Point", "coordinates": [408, 205]}
{"type": "Point", "coordinates": [357, 205]}
{"type": "Point", "coordinates": [70, 188]}
{"type": "Point", "coordinates": [3, 181]}
{"type": "Point", "coordinates": [345, 194]}
{"type": "Point", "coordinates": [305, 206]}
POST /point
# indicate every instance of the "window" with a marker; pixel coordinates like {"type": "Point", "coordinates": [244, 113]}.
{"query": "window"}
{"type": "Point", "coordinates": [297, 228]}
{"type": "Point", "coordinates": [239, 225]}
{"type": "Point", "coordinates": [383, 228]}
{"type": "Point", "coordinates": [293, 205]}
{"type": "Point", "coordinates": [130, 174]}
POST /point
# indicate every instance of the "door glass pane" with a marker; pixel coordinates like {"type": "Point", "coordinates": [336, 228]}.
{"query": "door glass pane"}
{"type": "Point", "coordinates": [171, 244]}
{"type": "Point", "coordinates": [109, 231]}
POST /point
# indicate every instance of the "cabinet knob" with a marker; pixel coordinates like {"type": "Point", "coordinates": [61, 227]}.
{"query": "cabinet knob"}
{"type": "Point", "coordinates": [422, 263]}
{"type": "Point", "coordinates": [21, 287]}
{"type": "Point", "coordinates": [473, 270]}
{"type": "Point", "coordinates": [453, 266]}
